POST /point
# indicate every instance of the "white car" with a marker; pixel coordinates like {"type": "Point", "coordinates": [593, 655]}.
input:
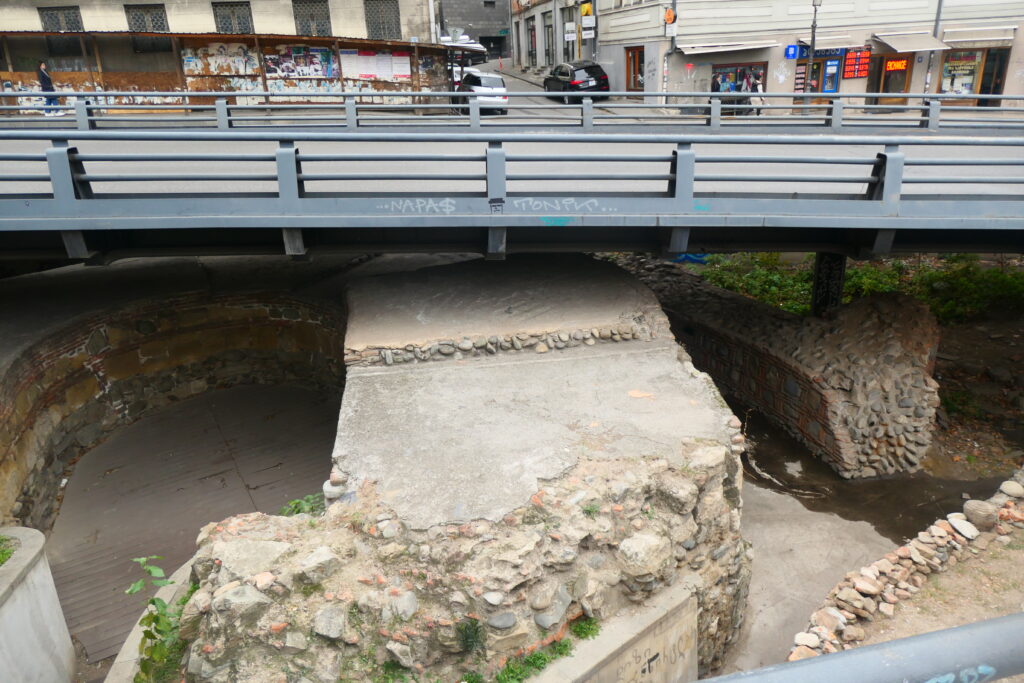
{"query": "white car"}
{"type": "Point", "coordinates": [493, 95]}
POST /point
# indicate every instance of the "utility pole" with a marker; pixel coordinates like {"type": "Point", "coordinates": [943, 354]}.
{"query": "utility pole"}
{"type": "Point", "coordinates": [809, 73]}
{"type": "Point", "coordinates": [931, 55]}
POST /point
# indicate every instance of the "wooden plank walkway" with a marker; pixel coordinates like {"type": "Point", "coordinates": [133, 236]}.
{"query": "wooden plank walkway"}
{"type": "Point", "coordinates": [149, 489]}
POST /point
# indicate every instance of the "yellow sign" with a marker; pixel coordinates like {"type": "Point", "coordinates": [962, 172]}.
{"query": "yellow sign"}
{"type": "Point", "coordinates": [586, 10]}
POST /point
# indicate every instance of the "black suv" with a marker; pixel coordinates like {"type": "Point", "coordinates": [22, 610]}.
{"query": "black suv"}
{"type": "Point", "coordinates": [582, 76]}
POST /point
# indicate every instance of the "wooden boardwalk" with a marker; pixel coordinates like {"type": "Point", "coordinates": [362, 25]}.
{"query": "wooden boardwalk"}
{"type": "Point", "coordinates": [151, 487]}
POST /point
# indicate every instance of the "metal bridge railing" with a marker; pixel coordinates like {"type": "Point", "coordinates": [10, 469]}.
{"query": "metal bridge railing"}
{"type": "Point", "coordinates": [975, 653]}
{"type": "Point", "coordinates": [371, 109]}
{"type": "Point", "coordinates": [498, 181]}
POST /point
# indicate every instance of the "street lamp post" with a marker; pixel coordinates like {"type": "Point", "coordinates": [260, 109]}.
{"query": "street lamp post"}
{"type": "Point", "coordinates": [810, 54]}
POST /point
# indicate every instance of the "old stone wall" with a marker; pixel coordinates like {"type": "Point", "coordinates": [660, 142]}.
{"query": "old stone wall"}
{"type": "Point", "coordinates": [855, 388]}
{"type": "Point", "coordinates": [65, 393]}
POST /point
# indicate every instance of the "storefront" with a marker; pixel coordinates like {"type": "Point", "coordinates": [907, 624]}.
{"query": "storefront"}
{"type": "Point", "coordinates": [738, 77]}
{"type": "Point", "coordinates": [892, 72]}
{"type": "Point", "coordinates": [977, 61]}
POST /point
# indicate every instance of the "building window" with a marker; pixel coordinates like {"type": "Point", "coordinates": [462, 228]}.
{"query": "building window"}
{"type": "Point", "coordinates": [312, 17]}
{"type": "Point", "coordinates": [489, 3]}
{"type": "Point", "coordinates": [383, 22]}
{"type": "Point", "coordinates": [62, 19]}
{"type": "Point", "coordinates": [233, 17]}
{"type": "Point", "coordinates": [148, 19]}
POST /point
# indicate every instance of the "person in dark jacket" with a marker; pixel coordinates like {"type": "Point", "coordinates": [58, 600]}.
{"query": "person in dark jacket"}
{"type": "Point", "coordinates": [46, 85]}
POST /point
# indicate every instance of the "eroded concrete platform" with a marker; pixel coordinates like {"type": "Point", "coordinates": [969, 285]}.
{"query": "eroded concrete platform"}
{"type": "Point", "coordinates": [460, 440]}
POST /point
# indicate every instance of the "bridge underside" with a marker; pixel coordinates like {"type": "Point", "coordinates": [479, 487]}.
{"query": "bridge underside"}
{"type": "Point", "coordinates": [103, 246]}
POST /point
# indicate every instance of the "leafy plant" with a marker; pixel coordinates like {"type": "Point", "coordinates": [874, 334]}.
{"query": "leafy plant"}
{"type": "Point", "coordinates": [472, 677]}
{"type": "Point", "coordinates": [313, 504]}
{"type": "Point", "coordinates": [561, 648]}
{"type": "Point", "coordinates": [471, 635]}
{"type": "Point", "coordinates": [591, 510]}
{"type": "Point", "coordinates": [518, 669]}
{"type": "Point", "coordinates": [585, 628]}
{"type": "Point", "coordinates": [6, 549]}
{"type": "Point", "coordinates": [160, 647]}
{"type": "Point", "coordinates": [391, 672]}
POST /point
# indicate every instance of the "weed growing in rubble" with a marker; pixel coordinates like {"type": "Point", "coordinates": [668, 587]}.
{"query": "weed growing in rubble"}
{"type": "Point", "coordinates": [471, 635]}
{"type": "Point", "coordinates": [472, 677]}
{"type": "Point", "coordinates": [591, 510]}
{"type": "Point", "coordinates": [518, 669]}
{"type": "Point", "coordinates": [160, 648]}
{"type": "Point", "coordinates": [585, 628]}
{"type": "Point", "coordinates": [6, 548]}
{"type": "Point", "coordinates": [313, 504]}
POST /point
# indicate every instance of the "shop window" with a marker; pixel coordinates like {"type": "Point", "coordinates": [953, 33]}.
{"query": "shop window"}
{"type": "Point", "coordinates": [62, 19]}
{"type": "Point", "coordinates": [148, 19]}
{"type": "Point", "coordinates": [568, 46]}
{"type": "Point", "coordinates": [634, 68]}
{"type": "Point", "coordinates": [738, 77]}
{"type": "Point", "coordinates": [383, 22]}
{"type": "Point", "coordinates": [233, 17]}
{"type": "Point", "coordinates": [312, 17]}
{"type": "Point", "coordinates": [960, 71]}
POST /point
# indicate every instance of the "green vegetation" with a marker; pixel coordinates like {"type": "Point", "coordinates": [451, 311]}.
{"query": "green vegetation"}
{"type": "Point", "coordinates": [518, 669]}
{"type": "Point", "coordinates": [313, 504]}
{"type": "Point", "coordinates": [160, 648]}
{"type": "Point", "coordinates": [472, 677]}
{"type": "Point", "coordinates": [591, 510]}
{"type": "Point", "coordinates": [471, 635]}
{"type": "Point", "coordinates": [6, 549]}
{"type": "Point", "coordinates": [959, 401]}
{"type": "Point", "coordinates": [585, 628]}
{"type": "Point", "coordinates": [956, 287]}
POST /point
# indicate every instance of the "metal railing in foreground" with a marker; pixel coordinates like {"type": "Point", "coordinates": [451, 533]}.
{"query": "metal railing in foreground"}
{"type": "Point", "coordinates": [975, 653]}
{"type": "Point", "coordinates": [525, 191]}
{"type": "Point", "coordinates": [364, 109]}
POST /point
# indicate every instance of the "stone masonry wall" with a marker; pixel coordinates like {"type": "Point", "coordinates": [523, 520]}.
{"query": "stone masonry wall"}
{"type": "Point", "coordinates": [67, 392]}
{"type": "Point", "coordinates": [855, 388]}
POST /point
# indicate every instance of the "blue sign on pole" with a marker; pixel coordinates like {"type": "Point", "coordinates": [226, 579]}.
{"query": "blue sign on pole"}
{"type": "Point", "coordinates": [792, 51]}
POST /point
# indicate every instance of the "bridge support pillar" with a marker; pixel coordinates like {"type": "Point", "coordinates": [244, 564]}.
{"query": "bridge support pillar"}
{"type": "Point", "coordinates": [829, 275]}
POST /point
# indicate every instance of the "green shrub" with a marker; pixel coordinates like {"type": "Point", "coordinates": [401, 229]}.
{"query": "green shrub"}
{"type": "Point", "coordinates": [6, 549]}
{"type": "Point", "coordinates": [585, 628]}
{"type": "Point", "coordinates": [313, 504]}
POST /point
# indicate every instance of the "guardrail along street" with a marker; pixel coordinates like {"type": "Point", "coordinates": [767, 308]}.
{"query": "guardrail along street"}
{"type": "Point", "coordinates": [80, 194]}
{"type": "Point", "coordinates": [367, 109]}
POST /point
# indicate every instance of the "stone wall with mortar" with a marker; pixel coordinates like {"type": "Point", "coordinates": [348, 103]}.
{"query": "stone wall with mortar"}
{"type": "Point", "coordinates": [65, 393]}
{"type": "Point", "coordinates": [855, 388]}
{"type": "Point", "coordinates": [610, 506]}
{"type": "Point", "coordinates": [875, 591]}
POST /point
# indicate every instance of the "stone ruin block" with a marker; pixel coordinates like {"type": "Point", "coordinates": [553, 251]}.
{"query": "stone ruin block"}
{"type": "Point", "coordinates": [483, 499]}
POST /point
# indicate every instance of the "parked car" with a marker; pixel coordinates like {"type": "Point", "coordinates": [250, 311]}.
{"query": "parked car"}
{"type": "Point", "coordinates": [581, 76]}
{"type": "Point", "coordinates": [493, 95]}
{"type": "Point", "coordinates": [475, 54]}
{"type": "Point", "coordinates": [458, 71]}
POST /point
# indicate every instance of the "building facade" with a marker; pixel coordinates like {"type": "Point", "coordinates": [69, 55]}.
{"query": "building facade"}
{"type": "Point", "coordinates": [407, 20]}
{"type": "Point", "coordinates": [868, 46]}
{"type": "Point", "coordinates": [548, 32]}
{"type": "Point", "coordinates": [485, 21]}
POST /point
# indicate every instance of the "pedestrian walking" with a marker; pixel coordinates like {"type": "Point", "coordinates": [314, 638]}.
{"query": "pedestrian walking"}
{"type": "Point", "coordinates": [757, 99]}
{"type": "Point", "coordinates": [46, 85]}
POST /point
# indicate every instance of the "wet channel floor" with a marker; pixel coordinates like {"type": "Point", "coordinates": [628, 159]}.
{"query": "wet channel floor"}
{"type": "Point", "coordinates": [898, 506]}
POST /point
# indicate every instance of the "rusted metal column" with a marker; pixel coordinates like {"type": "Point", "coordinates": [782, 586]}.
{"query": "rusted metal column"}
{"type": "Point", "coordinates": [829, 276]}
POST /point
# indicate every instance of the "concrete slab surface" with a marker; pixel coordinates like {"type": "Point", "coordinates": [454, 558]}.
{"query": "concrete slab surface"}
{"type": "Point", "coordinates": [153, 484]}
{"type": "Point", "coordinates": [523, 294]}
{"type": "Point", "coordinates": [487, 431]}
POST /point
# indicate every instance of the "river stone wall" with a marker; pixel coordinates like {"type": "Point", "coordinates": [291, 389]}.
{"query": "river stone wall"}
{"type": "Point", "coordinates": [856, 388]}
{"type": "Point", "coordinates": [875, 591]}
{"type": "Point", "coordinates": [66, 392]}
{"type": "Point", "coordinates": [617, 476]}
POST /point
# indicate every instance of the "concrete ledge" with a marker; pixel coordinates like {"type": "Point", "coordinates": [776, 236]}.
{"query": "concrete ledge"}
{"type": "Point", "coordinates": [126, 664]}
{"type": "Point", "coordinates": [34, 642]}
{"type": "Point", "coordinates": [655, 644]}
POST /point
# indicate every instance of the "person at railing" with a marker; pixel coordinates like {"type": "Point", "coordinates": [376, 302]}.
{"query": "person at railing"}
{"type": "Point", "coordinates": [756, 88]}
{"type": "Point", "coordinates": [46, 85]}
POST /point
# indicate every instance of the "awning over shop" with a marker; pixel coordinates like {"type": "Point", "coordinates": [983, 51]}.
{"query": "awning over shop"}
{"type": "Point", "coordinates": [725, 47]}
{"type": "Point", "coordinates": [830, 42]}
{"type": "Point", "coordinates": [978, 36]}
{"type": "Point", "coordinates": [911, 42]}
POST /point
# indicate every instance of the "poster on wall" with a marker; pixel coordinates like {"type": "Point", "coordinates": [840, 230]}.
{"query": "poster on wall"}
{"type": "Point", "coordinates": [400, 66]}
{"type": "Point", "coordinates": [300, 61]}
{"type": "Point", "coordinates": [234, 59]}
{"type": "Point", "coordinates": [349, 63]}
{"type": "Point", "coordinates": [367, 67]}
{"type": "Point", "coordinates": [383, 66]}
